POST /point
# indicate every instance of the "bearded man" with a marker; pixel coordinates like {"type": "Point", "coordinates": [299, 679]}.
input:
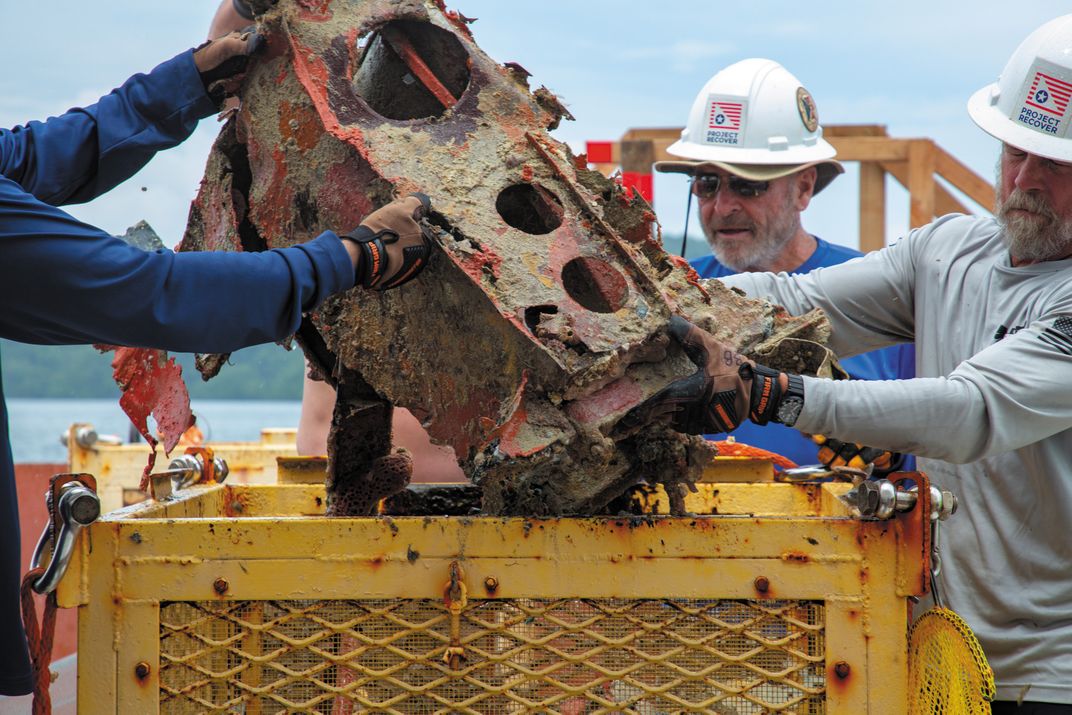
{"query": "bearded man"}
{"type": "Point", "coordinates": [754, 151]}
{"type": "Point", "coordinates": [988, 302]}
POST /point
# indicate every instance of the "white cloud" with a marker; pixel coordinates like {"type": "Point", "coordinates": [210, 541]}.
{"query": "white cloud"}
{"type": "Point", "coordinates": [682, 55]}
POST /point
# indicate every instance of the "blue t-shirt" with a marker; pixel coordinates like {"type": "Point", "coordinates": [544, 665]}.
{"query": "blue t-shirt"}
{"type": "Point", "coordinates": [892, 363]}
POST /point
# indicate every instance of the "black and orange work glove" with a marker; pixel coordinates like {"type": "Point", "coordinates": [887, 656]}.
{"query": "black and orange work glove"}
{"type": "Point", "coordinates": [222, 62]}
{"type": "Point", "coordinates": [726, 389]}
{"type": "Point", "coordinates": [835, 453]}
{"type": "Point", "coordinates": [394, 242]}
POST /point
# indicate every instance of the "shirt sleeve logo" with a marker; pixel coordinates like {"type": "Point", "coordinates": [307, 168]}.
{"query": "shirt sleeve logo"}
{"type": "Point", "coordinates": [1059, 335]}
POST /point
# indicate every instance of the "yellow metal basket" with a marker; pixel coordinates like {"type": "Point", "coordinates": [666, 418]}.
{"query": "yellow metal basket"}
{"type": "Point", "coordinates": [247, 599]}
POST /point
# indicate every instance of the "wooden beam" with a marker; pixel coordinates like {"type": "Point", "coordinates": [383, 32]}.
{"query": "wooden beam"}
{"type": "Point", "coordinates": [849, 147]}
{"type": "Point", "coordinates": [637, 155]}
{"type": "Point", "coordinates": [669, 134]}
{"type": "Point", "coordinates": [974, 186]}
{"type": "Point", "coordinates": [854, 130]}
{"type": "Point", "coordinates": [870, 148]}
{"type": "Point", "coordinates": [921, 182]}
{"type": "Point", "coordinates": [944, 202]}
{"type": "Point", "coordinates": [872, 207]}
{"type": "Point", "coordinates": [660, 146]}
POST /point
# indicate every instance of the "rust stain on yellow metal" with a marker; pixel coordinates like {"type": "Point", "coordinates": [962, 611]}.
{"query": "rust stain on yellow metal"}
{"type": "Point", "coordinates": [754, 499]}
{"type": "Point", "coordinates": [752, 613]}
{"type": "Point", "coordinates": [118, 466]}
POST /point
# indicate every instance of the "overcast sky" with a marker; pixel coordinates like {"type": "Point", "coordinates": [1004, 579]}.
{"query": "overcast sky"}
{"type": "Point", "coordinates": [616, 65]}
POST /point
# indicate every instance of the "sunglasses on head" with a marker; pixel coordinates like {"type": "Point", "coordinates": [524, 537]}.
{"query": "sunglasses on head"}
{"type": "Point", "coordinates": [705, 186]}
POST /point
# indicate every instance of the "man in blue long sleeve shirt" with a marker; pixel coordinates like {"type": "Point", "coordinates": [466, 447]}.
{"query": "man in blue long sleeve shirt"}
{"type": "Point", "coordinates": [63, 281]}
{"type": "Point", "coordinates": [755, 152]}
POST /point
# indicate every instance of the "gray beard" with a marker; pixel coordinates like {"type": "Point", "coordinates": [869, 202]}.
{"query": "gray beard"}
{"type": "Point", "coordinates": [756, 258]}
{"type": "Point", "coordinates": [764, 249]}
{"type": "Point", "coordinates": [1032, 239]}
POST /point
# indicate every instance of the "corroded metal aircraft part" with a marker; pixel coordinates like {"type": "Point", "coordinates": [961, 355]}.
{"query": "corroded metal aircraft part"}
{"type": "Point", "coordinates": [539, 322]}
{"type": "Point", "coordinates": [362, 470]}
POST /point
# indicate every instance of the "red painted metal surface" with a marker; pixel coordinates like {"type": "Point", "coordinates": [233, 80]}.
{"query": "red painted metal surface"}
{"type": "Point", "coordinates": [549, 283]}
{"type": "Point", "coordinates": [600, 152]}
{"type": "Point", "coordinates": [152, 385]}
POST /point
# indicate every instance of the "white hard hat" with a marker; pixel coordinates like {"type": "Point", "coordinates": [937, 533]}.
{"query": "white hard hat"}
{"type": "Point", "coordinates": [755, 120]}
{"type": "Point", "coordinates": [1029, 106]}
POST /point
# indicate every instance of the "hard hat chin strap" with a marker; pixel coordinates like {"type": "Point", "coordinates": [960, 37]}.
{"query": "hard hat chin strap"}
{"type": "Point", "coordinates": [688, 208]}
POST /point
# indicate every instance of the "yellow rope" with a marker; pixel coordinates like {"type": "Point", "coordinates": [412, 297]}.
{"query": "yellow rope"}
{"type": "Point", "coordinates": [947, 670]}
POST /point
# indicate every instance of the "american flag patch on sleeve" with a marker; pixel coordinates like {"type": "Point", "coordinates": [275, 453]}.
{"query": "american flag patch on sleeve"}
{"type": "Point", "coordinates": [1059, 335]}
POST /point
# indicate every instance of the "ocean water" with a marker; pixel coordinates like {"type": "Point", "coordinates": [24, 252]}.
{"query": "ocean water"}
{"type": "Point", "coordinates": [37, 425]}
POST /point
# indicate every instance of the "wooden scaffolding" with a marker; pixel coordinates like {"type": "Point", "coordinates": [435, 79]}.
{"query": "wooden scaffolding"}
{"type": "Point", "coordinates": [920, 165]}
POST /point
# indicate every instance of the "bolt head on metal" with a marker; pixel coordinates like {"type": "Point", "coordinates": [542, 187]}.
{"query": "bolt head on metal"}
{"type": "Point", "coordinates": [943, 504]}
{"type": "Point", "coordinates": [222, 470]}
{"type": "Point", "coordinates": [949, 504]}
{"type": "Point", "coordinates": [842, 669]}
{"type": "Point", "coordinates": [184, 461]}
{"type": "Point", "coordinates": [870, 498]}
{"type": "Point", "coordinates": [491, 583]}
{"type": "Point", "coordinates": [142, 670]}
{"type": "Point", "coordinates": [85, 508]}
{"type": "Point", "coordinates": [79, 503]}
{"type": "Point", "coordinates": [85, 437]}
{"type": "Point", "coordinates": [220, 586]}
{"type": "Point", "coordinates": [762, 584]}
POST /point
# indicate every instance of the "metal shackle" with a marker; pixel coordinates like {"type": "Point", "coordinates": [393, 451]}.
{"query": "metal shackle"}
{"type": "Point", "coordinates": [78, 506]}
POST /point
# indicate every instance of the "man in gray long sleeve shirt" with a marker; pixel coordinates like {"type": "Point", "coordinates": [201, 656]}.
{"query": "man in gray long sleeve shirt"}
{"type": "Point", "coordinates": [988, 302]}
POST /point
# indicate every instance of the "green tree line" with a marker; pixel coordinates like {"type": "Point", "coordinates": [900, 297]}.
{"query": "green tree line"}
{"type": "Point", "coordinates": [264, 372]}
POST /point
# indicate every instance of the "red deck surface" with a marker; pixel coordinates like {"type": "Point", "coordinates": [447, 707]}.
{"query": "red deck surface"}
{"type": "Point", "coordinates": [31, 480]}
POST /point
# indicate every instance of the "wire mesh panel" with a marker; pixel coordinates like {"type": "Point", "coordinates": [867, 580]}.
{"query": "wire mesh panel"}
{"type": "Point", "coordinates": [566, 656]}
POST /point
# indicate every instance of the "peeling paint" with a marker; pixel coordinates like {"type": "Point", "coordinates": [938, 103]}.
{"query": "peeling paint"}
{"type": "Point", "coordinates": [539, 322]}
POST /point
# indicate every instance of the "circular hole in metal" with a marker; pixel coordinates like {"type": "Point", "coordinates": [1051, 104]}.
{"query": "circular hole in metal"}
{"type": "Point", "coordinates": [411, 70]}
{"type": "Point", "coordinates": [534, 314]}
{"type": "Point", "coordinates": [595, 284]}
{"type": "Point", "coordinates": [530, 208]}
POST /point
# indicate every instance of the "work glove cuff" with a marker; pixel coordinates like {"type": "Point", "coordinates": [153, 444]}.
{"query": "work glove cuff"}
{"type": "Point", "coordinates": [766, 393]}
{"type": "Point", "coordinates": [394, 243]}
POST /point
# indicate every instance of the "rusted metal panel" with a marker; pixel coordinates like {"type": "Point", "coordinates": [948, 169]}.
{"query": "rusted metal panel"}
{"type": "Point", "coordinates": [151, 384]}
{"type": "Point", "coordinates": [538, 323]}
